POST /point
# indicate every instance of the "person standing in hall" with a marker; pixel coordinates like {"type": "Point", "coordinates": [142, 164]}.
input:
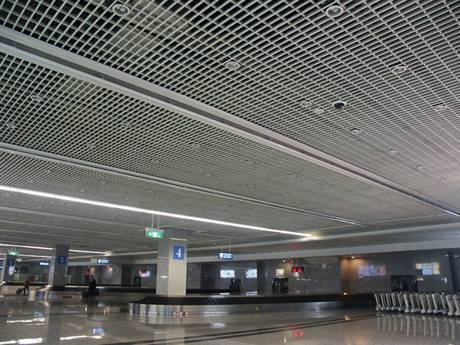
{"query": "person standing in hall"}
{"type": "Point", "coordinates": [26, 286]}
{"type": "Point", "coordinates": [92, 287]}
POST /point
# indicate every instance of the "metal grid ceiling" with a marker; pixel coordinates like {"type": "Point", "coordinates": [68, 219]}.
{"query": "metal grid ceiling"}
{"type": "Point", "coordinates": [82, 121]}
{"type": "Point", "coordinates": [290, 51]}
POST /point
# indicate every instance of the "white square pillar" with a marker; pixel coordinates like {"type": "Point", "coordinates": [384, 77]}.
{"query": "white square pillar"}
{"type": "Point", "coordinates": [172, 267]}
{"type": "Point", "coordinates": [58, 267]}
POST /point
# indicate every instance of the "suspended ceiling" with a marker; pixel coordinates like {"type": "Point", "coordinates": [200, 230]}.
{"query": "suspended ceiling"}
{"type": "Point", "coordinates": [69, 135]}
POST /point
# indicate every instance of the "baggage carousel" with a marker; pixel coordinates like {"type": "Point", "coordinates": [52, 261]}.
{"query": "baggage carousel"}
{"type": "Point", "coordinates": [234, 304]}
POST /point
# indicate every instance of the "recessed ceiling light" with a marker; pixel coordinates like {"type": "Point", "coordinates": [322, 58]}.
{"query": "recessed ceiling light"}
{"type": "Point", "coordinates": [207, 174]}
{"type": "Point", "coordinates": [233, 65]}
{"type": "Point", "coordinates": [126, 124]}
{"type": "Point", "coordinates": [36, 98]}
{"type": "Point", "coordinates": [326, 186]}
{"type": "Point", "coordinates": [356, 131]}
{"type": "Point", "coordinates": [10, 125]}
{"type": "Point", "coordinates": [292, 175]}
{"type": "Point", "coordinates": [82, 191]}
{"type": "Point", "coordinates": [319, 111]}
{"type": "Point", "coordinates": [121, 10]}
{"type": "Point", "coordinates": [306, 103]}
{"type": "Point", "coordinates": [441, 178]}
{"type": "Point", "coordinates": [334, 11]}
{"type": "Point", "coordinates": [393, 152]}
{"type": "Point", "coordinates": [419, 167]}
{"type": "Point", "coordinates": [440, 107]}
{"type": "Point", "coordinates": [195, 146]}
{"type": "Point", "coordinates": [399, 69]}
{"type": "Point", "coordinates": [90, 145]}
{"type": "Point", "coordinates": [250, 185]}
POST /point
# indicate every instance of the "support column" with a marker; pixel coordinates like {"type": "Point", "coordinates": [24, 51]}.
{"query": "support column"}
{"type": "Point", "coordinates": [261, 277]}
{"type": "Point", "coordinates": [58, 267]}
{"type": "Point", "coordinates": [9, 264]}
{"type": "Point", "coordinates": [171, 267]}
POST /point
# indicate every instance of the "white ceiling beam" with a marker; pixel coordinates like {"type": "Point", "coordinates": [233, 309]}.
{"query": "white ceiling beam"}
{"type": "Point", "coordinates": [47, 55]}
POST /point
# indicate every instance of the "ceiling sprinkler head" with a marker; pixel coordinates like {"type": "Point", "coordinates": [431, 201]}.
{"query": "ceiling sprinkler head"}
{"type": "Point", "coordinates": [121, 9]}
{"type": "Point", "coordinates": [334, 11]}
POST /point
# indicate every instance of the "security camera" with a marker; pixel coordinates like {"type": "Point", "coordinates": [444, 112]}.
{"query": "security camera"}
{"type": "Point", "coordinates": [339, 105]}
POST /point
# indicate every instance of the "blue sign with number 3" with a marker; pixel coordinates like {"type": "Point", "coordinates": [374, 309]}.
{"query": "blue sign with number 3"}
{"type": "Point", "coordinates": [178, 252]}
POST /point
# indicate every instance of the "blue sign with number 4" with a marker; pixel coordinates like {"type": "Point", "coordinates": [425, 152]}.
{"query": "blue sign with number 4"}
{"type": "Point", "coordinates": [178, 252]}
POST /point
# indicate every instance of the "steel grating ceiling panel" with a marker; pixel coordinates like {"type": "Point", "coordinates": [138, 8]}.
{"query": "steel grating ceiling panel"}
{"type": "Point", "coordinates": [290, 51]}
{"type": "Point", "coordinates": [86, 122]}
{"type": "Point", "coordinates": [33, 173]}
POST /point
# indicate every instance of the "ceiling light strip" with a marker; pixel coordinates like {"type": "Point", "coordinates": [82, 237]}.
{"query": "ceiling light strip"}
{"type": "Point", "coordinates": [26, 152]}
{"type": "Point", "coordinates": [147, 211]}
{"type": "Point", "coordinates": [49, 248]}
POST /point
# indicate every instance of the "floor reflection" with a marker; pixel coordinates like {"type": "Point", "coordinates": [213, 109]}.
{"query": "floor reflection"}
{"type": "Point", "coordinates": [430, 326]}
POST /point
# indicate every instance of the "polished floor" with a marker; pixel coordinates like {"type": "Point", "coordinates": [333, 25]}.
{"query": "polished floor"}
{"type": "Point", "coordinates": [24, 320]}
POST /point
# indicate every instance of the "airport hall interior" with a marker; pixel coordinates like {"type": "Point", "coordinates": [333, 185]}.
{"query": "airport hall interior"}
{"type": "Point", "coordinates": [230, 172]}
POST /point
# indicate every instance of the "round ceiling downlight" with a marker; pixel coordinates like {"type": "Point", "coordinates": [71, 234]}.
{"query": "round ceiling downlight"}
{"type": "Point", "coordinates": [36, 98]}
{"type": "Point", "coordinates": [356, 131]}
{"type": "Point", "coordinates": [319, 111]}
{"type": "Point", "coordinates": [399, 69]}
{"type": "Point", "coordinates": [393, 152]}
{"type": "Point", "coordinates": [233, 65]}
{"type": "Point", "coordinates": [306, 103]}
{"type": "Point", "coordinates": [440, 107]}
{"type": "Point", "coordinates": [121, 10]}
{"type": "Point", "coordinates": [334, 11]}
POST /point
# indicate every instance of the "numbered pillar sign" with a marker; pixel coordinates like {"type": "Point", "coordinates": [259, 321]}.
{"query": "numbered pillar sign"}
{"type": "Point", "coordinates": [178, 252]}
{"type": "Point", "coordinates": [62, 260]}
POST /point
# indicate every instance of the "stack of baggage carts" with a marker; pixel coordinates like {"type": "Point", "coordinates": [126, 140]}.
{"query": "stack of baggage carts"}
{"type": "Point", "coordinates": [422, 303]}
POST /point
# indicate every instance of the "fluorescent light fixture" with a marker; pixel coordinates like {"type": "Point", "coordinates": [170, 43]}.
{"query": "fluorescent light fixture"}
{"type": "Point", "coordinates": [147, 211]}
{"type": "Point", "coordinates": [34, 256]}
{"type": "Point", "coordinates": [49, 248]}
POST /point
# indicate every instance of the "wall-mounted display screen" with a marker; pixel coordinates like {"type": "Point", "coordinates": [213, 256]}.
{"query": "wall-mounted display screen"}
{"type": "Point", "coordinates": [145, 273]}
{"type": "Point", "coordinates": [372, 271]}
{"type": "Point", "coordinates": [251, 273]}
{"type": "Point", "coordinates": [103, 261]}
{"type": "Point", "coordinates": [279, 272]}
{"type": "Point", "coordinates": [429, 268]}
{"type": "Point", "coordinates": [225, 256]}
{"type": "Point", "coordinates": [227, 273]}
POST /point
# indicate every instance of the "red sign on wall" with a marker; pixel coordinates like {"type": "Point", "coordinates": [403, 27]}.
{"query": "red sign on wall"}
{"type": "Point", "coordinates": [297, 269]}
